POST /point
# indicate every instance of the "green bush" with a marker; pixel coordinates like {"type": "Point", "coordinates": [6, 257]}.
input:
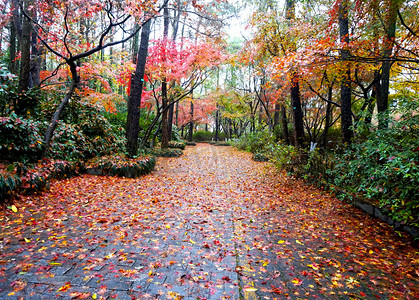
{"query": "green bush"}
{"type": "Point", "coordinates": [84, 133]}
{"type": "Point", "coordinates": [261, 157]}
{"type": "Point", "coordinates": [190, 143]}
{"type": "Point", "coordinates": [222, 143]}
{"type": "Point", "coordinates": [177, 145]}
{"type": "Point", "coordinates": [117, 165]}
{"type": "Point", "coordinates": [287, 157]}
{"type": "Point", "coordinates": [9, 182]}
{"type": "Point", "coordinates": [167, 152]}
{"type": "Point", "coordinates": [20, 139]}
{"type": "Point", "coordinates": [202, 136]}
{"type": "Point", "coordinates": [259, 142]}
{"type": "Point", "coordinates": [384, 168]}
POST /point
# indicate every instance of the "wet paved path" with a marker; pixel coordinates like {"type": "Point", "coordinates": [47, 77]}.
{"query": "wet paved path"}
{"type": "Point", "coordinates": [211, 224]}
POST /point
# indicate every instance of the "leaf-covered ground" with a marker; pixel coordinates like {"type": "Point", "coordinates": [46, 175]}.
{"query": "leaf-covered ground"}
{"type": "Point", "coordinates": [211, 224]}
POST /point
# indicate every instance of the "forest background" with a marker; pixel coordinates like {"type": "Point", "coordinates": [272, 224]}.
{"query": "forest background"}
{"type": "Point", "coordinates": [327, 90]}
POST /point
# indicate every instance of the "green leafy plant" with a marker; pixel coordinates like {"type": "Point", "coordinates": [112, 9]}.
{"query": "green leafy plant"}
{"type": "Point", "coordinates": [177, 145]}
{"type": "Point", "coordinates": [20, 138]}
{"type": "Point", "coordinates": [202, 136]}
{"type": "Point", "coordinates": [384, 168]}
{"type": "Point", "coordinates": [117, 165]}
{"type": "Point", "coordinates": [9, 182]}
{"type": "Point", "coordinates": [167, 152]}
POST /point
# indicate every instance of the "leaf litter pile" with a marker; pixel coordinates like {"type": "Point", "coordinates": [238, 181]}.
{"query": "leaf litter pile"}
{"type": "Point", "coordinates": [211, 224]}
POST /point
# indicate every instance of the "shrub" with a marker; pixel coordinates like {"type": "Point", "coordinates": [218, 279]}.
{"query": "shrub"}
{"type": "Point", "coordinates": [9, 182]}
{"type": "Point", "coordinates": [20, 139]}
{"type": "Point", "coordinates": [190, 143]}
{"type": "Point", "coordinates": [177, 145]}
{"type": "Point", "coordinates": [84, 133]}
{"type": "Point", "coordinates": [202, 136]}
{"type": "Point", "coordinates": [167, 152]}
{"type": "Point", "coordinates": [258, 142]}
{"type": "Point", "coordinates": [117, 165]}
{"type": "Point", "coordinates": [261, 157]}
{"type": "Point", "coordinates": [222, 143]}
{"type": "Point", "coordinates": [384, 168]}
{"type": "Point", "coordinates": [287, 157]}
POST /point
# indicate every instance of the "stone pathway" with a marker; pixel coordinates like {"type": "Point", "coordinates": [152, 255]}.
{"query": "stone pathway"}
{"type": "Point", "coordinates": [211, 224]}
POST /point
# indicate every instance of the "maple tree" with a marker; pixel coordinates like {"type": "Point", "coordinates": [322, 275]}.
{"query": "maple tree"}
{"type": "Point", "coordinates": [58, 31]}
{"type": "Point", "coordinates": [184, 66]}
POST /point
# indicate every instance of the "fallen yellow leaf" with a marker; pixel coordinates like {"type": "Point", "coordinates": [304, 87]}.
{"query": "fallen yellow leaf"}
{"type": "Point", "coordinates": [14, 208]}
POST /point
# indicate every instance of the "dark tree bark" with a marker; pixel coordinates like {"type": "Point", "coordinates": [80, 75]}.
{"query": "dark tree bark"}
{"type": "Point", "coordinates": [25, 81]}
{"type": "Point", "coordinates": [36, 61]}
{"type": "Point", "coordinates": [164, 126]}
{"type": "Point", "coordinates": [134, 99]}
{"type": "Point", "coordinates": [135, 46]}
{"type": "Point", "coordinates": [13, 49]}
{"type": "Point", "coordinates": [191, 124]}
{"type": "Point", "coordinates": [297, 111]}
{"type": "Point", "coordinates": [170, 120]}
{"type": "Point", "coordinates": [328, 117]}
{"type": "Point", "coordinates": [217, 126]}
{"type": "Point", "coordinates": [382, 100]}
{"type": "Point", "coordinates": [277, 114]}
{"type": "Point", "coordinates": [56, 117]}
{"type": "Point", "coordinates": [295, 89]}
{"type": "Point", "coordinates": [285, 124]}
{"type": "Point", "coordinates": [345, 89]}
{"type": "Point", "coordinates": [15, 35]}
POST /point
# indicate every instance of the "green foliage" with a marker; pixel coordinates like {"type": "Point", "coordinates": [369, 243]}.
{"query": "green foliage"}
{"type": "Point", "coordinates": [20, 138]}
{"type": "Point", "coordinates": [7, 79]}
{"type": "Point", "coordinates": [190, 143]}
{"type": "Point", "coordinates": [287, 157]}
{"type": "Point", "coordinates": [259, 142]}
{"type": "Point", "coordinates": [384, 168]}
{"type": "Point", "coordinates": [9, 182]}
{"type": "Point", "coordinates": [117, 165]}
{"type": "Point", "coordinates": [261, 157]}
{"type": "Point", "coordinates": [118, 121]}
{"type": "Point", "coordinates": [222, 143]}
{"type": "Point", "coordinates": [167, 152]}
{"type": "Point", "coordinates": [29, 178]}
{"type": "Point", "coordinates": [177, 145]}
{"type": "Point", "coordinates": [176, 134]}
{"type": "Point", "coordinates": [84, 133]}
{"type": "Point", "coordinates": [202, 136]}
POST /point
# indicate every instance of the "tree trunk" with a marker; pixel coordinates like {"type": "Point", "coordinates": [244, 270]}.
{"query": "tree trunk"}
{"type": "Point", "coordinates": [285, 124]}
{"type": "Point", "coordinates": [382, 101]}
{"type": "Point", "coordinates": [328, 116]}
{"type": "Point", "coordinates": [12, 49]}
{"type": "Point", "coordinates": [134, 99]}
{"type": "Point", "coordinates": [217, 126]}
{"type": "Point", "coordinates": [54, 122]}
{"type": "Point", "coordinates": [297, 110]}
{"type": "Point", "coordinates": [345, 89]}
{"type": "Point", "coordinates": [135, 47]}
{"type": "Point", "coordinates": [191, 125]}
{"type": "Point", "coordinates": [15, 36]}
{"type": "Point", "coordinates": [25, 51]}
{"type": "Point", "coordinates": [170, 120]}
{"type": "Point", "coordinates": [36, 61]}
{"type": "Point", "coordinates": [277, 114]}
{"type": "Point", "coordinates": [164, 127]}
